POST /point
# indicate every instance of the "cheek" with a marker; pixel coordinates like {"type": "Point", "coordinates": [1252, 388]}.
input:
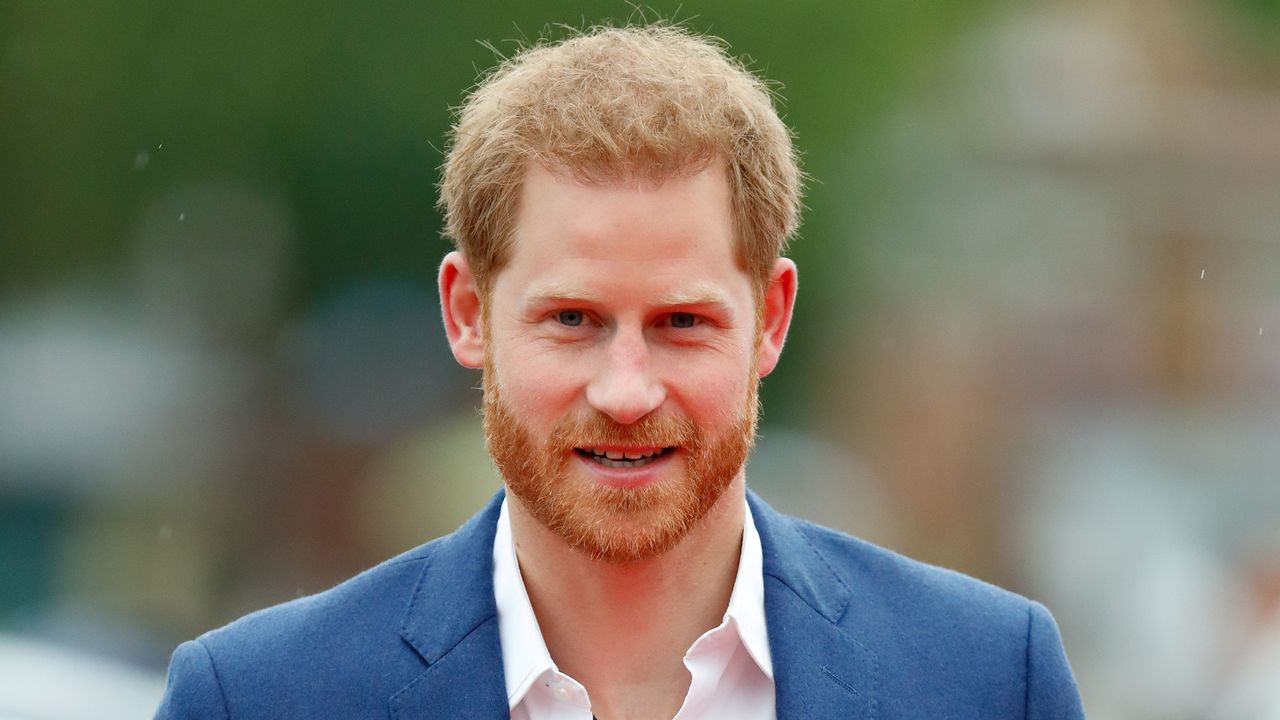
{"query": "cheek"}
{"type": "Point", "coordinates": [711, 392]}
{"type": "Point", "coordinates": [535, 383]}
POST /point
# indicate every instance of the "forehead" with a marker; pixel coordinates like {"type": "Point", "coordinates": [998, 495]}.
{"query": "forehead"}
{"type": "Point", "coordinates": [676, 235]}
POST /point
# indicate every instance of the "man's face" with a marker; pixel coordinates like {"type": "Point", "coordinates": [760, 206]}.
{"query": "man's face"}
{"type": "Point", "coordinates": [620, 362]}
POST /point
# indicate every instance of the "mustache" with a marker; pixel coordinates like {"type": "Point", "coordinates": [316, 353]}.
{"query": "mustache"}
{"type": "Point", "coordinates": [599, 429]}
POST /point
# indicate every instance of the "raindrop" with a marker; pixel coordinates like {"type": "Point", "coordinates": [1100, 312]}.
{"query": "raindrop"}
{"type": "Point", "coordinates": [141, 160]}
{"type": "Point", "coordinates": [182, 216]}
{"type": "Point", "coordinates": [1201, 273]}
{"type": "Point", "coordinates": [166, 531]}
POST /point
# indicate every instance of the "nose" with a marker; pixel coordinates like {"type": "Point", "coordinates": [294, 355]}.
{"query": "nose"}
{"type": "Point", "coordinates": [626, 387]}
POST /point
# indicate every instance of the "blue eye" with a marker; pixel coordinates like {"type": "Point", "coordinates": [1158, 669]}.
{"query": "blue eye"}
{"type": "Point", "coordinates": [571, 318]}
{"type": "Point", "coordinates": [683, 320]}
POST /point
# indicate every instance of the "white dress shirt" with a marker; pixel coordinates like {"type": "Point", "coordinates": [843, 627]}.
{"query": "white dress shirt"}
{"type": "Point", "coordinates": [730, 666]}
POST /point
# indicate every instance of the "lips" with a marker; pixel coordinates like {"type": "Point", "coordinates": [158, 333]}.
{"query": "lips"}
{"type": "Point", "coordinates": [630, 458]}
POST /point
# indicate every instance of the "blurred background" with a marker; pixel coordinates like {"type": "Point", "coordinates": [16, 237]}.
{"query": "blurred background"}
{"type": "Point", "coordinates": [1038, 337]}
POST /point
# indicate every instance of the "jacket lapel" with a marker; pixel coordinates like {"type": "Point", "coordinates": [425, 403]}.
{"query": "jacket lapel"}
{"type": "Point", "coordinates": [820, 669]}
{"type": "Point", "coordinates": [452, 622]}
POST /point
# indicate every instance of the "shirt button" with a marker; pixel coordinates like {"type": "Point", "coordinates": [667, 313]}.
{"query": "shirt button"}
{"type": "Point", "coordinates": [563, 691]}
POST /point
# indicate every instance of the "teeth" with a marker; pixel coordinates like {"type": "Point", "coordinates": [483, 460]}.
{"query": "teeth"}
{"type": "Point", "coordinates": [610, 458]}
{"type": "Point", "coordinates": [624, 463]}
{"type": "Point", "coordinates": [615, 455]}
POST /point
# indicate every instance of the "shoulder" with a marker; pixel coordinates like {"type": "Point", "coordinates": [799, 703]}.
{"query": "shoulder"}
{"type": "Point", "coordinates": [362, 607]}
{"type": "Point", "coordinates": [909, 609]}
{"type": "Point", "coordinates": [942, 639]}
{"type": "Point", "coordinates": [846, 577]}
{"type": "Point", "coordinates": [878, 575]}
{"type": "Point", "coordinates": [345, 651]}
{"type": "Point", "coordinates": [328, 651]}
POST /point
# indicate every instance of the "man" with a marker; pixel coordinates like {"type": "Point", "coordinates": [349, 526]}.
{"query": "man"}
{"type": "Point", "coordinates": [620, 203]}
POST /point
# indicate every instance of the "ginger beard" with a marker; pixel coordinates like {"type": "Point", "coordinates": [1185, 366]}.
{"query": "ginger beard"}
{"type": "Point", "coordinates": [613, 524]}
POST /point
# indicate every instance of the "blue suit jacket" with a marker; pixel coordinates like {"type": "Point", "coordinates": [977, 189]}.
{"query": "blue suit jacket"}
{"type": "Point", "coordinates": [855, 631]}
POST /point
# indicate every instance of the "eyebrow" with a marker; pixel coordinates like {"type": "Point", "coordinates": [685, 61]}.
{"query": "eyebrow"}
{"type": "Point", "coordinates": [696, 295]}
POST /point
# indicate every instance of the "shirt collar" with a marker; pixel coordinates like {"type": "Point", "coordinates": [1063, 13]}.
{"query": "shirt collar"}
{"type": "Point", "coordinates": [746, 602]}
{"type": "Point", "coordinates": [524, 653]}
{"type": "Point", "coordinates": [525, 657]}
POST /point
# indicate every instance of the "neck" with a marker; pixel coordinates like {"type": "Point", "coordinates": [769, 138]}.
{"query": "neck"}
{"type": "Point", "coordinates": [622, 629]}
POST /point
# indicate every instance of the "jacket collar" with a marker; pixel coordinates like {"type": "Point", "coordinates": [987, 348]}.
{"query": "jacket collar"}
{"type": "Point", "coordinates": [452, 622]}
{"type": "Point", "coordinates": [820, 669]}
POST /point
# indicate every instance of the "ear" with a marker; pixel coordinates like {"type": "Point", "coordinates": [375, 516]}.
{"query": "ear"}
{"type": "Point", "coordinates": [779, 301]}
{"type": "Point", "coordinates": [460, 303]}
